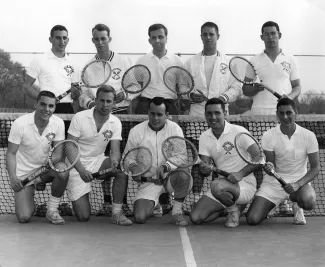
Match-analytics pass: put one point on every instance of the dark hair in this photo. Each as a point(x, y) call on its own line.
point(45, 93)
point(286, 102)
point(210, 25)
point(101, 27)
point(215, 101)
point(159, 101)
point(106, 89)
point(157, 26)
point(58, 28)
point(271, 24)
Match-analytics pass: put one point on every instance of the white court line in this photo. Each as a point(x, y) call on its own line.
point(187, 248)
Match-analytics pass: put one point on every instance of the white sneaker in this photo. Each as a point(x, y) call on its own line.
point(298, 215)
point(232, 220)
point(54, 217)
point(157, 211)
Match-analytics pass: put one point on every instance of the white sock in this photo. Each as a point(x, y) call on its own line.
point(232, 208)
point(116, 208)
point(177, 208)
point(53, 203)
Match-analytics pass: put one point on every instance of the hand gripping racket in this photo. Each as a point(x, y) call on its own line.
point(135, 162)
point(63, 156)
point(243, 71)
point(243, 141)
point(179, 81)
point(93, 75)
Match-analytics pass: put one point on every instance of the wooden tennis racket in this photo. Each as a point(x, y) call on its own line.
point(244, 71)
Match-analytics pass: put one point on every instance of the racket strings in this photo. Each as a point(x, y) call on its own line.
point(179, 152)
point(136, 79)
point(178, 80)
point(137, 161)
point(249, 153)
point(65, 152)
point(240, 68)
point(96, 73)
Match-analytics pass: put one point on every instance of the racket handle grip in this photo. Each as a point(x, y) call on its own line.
point(25, 181)
point(63, 95)
point(102, 172)
point(223, 173)
point(277, 95)
point(279, 178)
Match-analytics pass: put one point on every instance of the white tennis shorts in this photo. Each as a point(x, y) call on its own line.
point(272, 190)
point(151, 191)
point(76, 187)
point(247, 192)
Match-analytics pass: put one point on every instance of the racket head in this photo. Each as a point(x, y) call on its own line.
point(181, 182)
point(243, 141)
point(242, 70)
point(178, 80)
point(96, 73)
point(136, 161)
point(64, 155)
point(136, 79)
point(179, 151)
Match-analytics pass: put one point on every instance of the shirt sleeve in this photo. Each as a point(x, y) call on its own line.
point(60, 133)
point(75, 126)
point(294, 74)
point(34, 69)
point(16, 133)
point(117, 134)
point(312, 143)
point(267, 141)
point(204, 146)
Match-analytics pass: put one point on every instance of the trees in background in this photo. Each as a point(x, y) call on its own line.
point(11, 84)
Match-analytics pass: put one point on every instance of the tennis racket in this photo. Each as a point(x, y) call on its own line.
point(242, 141)
point(135, 162)
point(136, 79)
point(67, 152)
point(93, 75)
point(243, 71)
point(179, 81)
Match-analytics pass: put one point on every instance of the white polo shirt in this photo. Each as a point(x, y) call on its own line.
point(119, 65)
point(54, 74)
point(93, 143)
point(143, 135)
point(157, 67)
point(34, 148)
point(291, 155)
point(223, 151)
point(276, 75)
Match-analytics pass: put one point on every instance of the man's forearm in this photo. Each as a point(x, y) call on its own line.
point(295, 92)
point(11, 164)
point(309, 176)
point(31, 91)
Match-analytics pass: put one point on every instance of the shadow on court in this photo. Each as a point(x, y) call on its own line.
point(158, 243)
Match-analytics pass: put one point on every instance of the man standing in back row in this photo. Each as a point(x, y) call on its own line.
point(276, 70)
point(55, 72)
point(101, 37)
point(157, 62)
point(211, 74)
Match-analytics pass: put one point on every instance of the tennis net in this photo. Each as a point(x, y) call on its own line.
point(100, 197)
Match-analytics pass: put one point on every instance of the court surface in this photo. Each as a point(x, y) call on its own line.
point(277, 242)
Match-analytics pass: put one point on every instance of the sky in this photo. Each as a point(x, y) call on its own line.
point(301, 23)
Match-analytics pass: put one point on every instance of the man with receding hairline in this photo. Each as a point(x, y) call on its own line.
point(101, 38)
